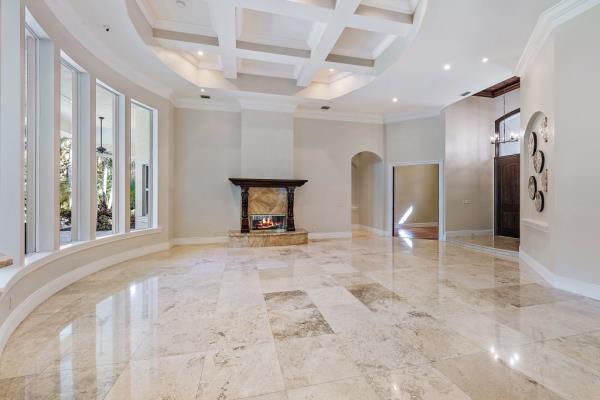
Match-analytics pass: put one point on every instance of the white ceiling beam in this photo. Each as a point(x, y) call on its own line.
point(344, 11)
point(380, 25)
point(288, 8)
point(222, 15)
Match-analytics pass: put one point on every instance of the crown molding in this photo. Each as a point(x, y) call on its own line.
point(263, 102)
point(547, 22)
point(339, 116)
point(207, 104)
point(402, 117)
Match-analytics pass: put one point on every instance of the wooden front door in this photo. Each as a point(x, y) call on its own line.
point(507, 195)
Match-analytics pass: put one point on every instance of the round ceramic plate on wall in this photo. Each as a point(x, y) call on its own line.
point(532, 145)
point(539, 201)
point(538, 161)
point(532, 186)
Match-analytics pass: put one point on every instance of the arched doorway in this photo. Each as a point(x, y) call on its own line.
point(368, 188)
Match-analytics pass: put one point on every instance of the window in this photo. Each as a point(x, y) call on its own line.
point(67, 142)
point(140, 200)
point(106, 127)
point(30, 124)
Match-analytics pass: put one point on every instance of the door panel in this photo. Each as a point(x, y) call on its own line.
point(507, 195)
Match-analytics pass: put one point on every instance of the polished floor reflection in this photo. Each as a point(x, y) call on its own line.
point(366, 318)
point(490, 241)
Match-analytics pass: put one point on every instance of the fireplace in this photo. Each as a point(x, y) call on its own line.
point(265, 222)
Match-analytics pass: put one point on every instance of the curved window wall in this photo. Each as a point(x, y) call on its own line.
point(85, 153)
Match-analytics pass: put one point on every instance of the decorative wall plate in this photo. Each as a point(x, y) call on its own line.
point(544, 131)
point(539, 201)
point(538, 161)
point(545, 180)
point(532, 186)
point(532, 145)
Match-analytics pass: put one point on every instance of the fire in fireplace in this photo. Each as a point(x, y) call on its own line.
point(267, 222)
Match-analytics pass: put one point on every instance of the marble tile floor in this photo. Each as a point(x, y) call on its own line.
point(363, 318)
point(490, 241)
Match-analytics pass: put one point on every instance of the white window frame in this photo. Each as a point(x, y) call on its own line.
point(32, 106)
point(152, 212)
point(75, 179)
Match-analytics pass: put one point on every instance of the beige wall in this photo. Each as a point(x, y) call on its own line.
point(267, 144)
point(416, 186)
point(575, 164)
point(207, 154)
point(469, 165)
point(408, 142)
point(323, 151)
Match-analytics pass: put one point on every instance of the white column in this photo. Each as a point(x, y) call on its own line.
point(122, 164)
point(48, 238)
point(12, 230)
point(87, 158)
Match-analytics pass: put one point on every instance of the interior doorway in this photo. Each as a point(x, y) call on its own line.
point(415, 201)
point(367, 194)
point(507, 166)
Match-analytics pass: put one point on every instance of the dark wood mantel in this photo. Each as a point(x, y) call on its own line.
point(289, 184)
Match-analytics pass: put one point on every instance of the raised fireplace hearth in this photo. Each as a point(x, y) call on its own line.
point(267, 213)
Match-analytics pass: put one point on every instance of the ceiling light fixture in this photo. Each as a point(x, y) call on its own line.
point(447, 67)
point(202, 90)
point(331, 70)
point(395, 99)
point(200, 53)
point(485, 60)
point(180, 3)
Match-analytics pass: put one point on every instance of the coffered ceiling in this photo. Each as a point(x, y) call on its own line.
point(362, 58)
point(307, 41)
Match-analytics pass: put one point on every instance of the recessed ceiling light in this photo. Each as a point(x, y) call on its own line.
point(331, 70)
point(485, 59)
point(200, 53)
point(202, 90)
point(180, 3)
point(395, 99)
point(447, 67)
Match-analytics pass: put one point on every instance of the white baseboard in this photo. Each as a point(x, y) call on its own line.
point(419, 225)
point(19, 313)
point(481, 232)
point(375, 231)
point(329, 235)
point(199, 240)
point(560, 282)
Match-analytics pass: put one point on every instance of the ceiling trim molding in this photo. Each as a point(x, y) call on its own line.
point(207, 104)
point(547, 22)
point(402, 117)
point(339, 116)
point(501, 88)
point(257, 104)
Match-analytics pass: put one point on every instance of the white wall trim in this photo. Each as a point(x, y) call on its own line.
point(420, 225)
point(207, 104)
point(375, 231)
point(543, 227)
point(560, 282)
point(329, 235)
point(480, 232)
point(19, 313)
point(10, 275)
point(339, 116)
point(401, 117)
point(547, 22)
point(199, 240)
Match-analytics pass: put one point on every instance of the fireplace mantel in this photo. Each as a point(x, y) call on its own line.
point(268, 183)
point(289, 184)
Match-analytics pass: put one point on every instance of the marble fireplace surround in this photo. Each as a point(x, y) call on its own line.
point(267, 196)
